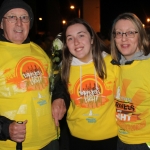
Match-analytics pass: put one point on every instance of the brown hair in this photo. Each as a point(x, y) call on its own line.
point(97, 48)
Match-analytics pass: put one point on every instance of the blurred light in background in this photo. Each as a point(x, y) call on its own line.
point(64, 22)
point(72, 7)
point(40, 19)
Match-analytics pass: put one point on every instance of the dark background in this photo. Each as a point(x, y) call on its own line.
point(110, 9)
point(54, 11)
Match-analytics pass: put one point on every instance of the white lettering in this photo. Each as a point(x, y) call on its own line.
point(123, 117)
point(90, 95)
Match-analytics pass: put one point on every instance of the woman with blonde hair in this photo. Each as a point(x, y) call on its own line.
point(131, 51)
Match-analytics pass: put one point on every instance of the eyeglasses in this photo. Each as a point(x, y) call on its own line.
point(13, 19)
point(129, 34)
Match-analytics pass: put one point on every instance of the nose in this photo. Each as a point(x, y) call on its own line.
point(18, 22)
point(124, 36)
point(76, 41)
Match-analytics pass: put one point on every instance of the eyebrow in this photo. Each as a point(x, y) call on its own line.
point(77, 33)
point(13, 14)
point(126, 30)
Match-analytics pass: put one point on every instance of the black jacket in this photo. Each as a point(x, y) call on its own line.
point(4, 128)
point(60, 91)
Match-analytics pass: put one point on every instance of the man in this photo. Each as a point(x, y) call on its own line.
point(24, 84)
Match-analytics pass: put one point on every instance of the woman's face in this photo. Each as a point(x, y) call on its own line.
point(79, 42)
point(127, 46)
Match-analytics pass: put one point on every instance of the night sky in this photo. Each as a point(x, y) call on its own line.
point(110, 9)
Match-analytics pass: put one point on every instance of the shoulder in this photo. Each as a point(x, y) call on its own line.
point(109, 66)
point(36, 46)
point(106, 56)
point(38, 49)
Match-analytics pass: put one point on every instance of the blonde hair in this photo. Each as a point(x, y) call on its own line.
point(143, 42)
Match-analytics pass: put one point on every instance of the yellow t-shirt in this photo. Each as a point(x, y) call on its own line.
point(133, 102)
point(91, 114)
point(24, 93)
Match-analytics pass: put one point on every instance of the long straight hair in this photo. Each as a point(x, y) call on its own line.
point(97, 48)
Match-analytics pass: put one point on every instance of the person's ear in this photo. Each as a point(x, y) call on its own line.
point(1, 24)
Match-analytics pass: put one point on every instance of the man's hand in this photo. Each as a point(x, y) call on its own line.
point(58, 110)
point(17, 131)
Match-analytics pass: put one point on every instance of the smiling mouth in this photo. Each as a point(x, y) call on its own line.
point(18, 31)
point(125, 46)
point(78, 49)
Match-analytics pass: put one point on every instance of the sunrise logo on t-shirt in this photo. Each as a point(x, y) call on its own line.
point(90, 92)
point(29, 75)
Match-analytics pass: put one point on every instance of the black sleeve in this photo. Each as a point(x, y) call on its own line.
point(4, 128)
point(60, 91)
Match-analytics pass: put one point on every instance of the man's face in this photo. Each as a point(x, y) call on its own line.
point(17, 31)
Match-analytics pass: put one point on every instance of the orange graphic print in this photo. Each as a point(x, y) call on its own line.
point(29, 75)
point(127, 108)
point(90, 92)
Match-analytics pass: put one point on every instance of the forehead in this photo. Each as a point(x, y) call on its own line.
point(75, 28)
point(17, 11)
point(125, 24)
